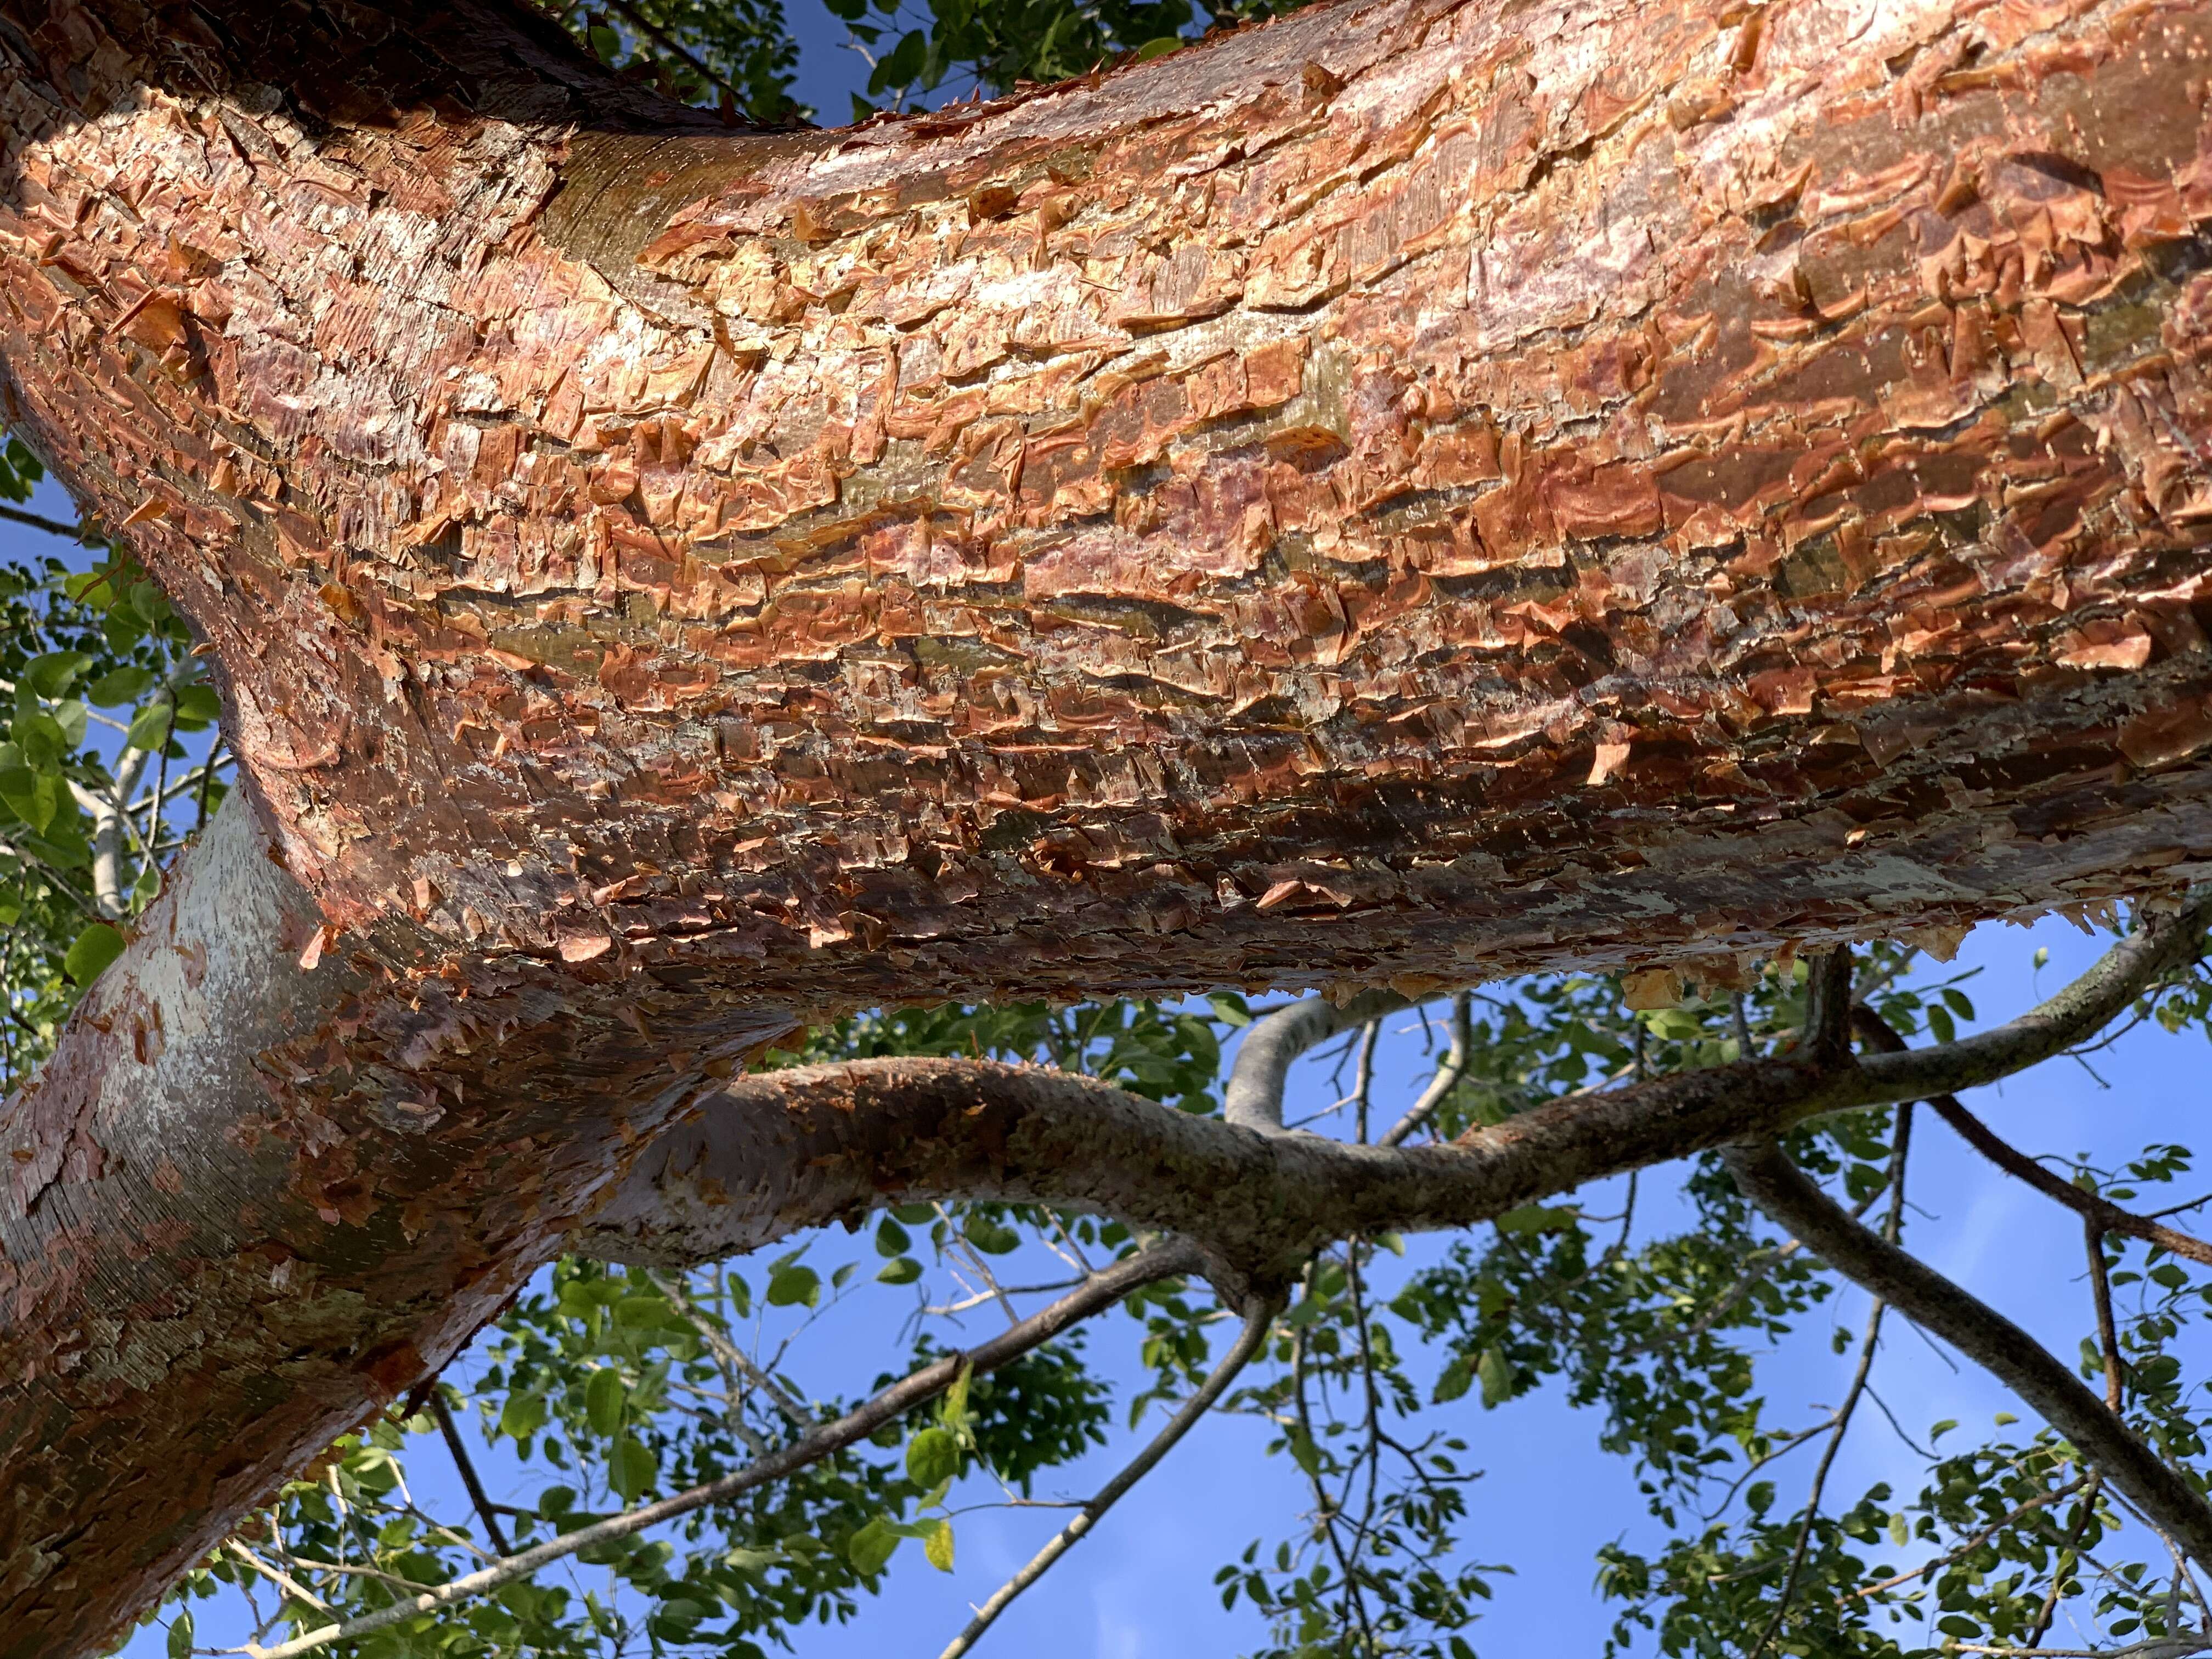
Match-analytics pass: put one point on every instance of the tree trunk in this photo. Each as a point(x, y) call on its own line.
point(1410, 492)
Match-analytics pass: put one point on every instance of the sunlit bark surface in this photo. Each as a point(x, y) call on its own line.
point(1411, 492)
point(1406, 489)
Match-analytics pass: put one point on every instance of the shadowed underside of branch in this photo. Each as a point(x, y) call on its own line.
point(771, 1153)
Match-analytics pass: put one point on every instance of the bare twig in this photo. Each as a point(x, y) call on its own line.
point(731, 1354)
point(1161, 1260)
point(283, 1580)
point(1868, 1346)
point(1449, 1073)
point(76, 532)
point(668, 44)
point(477, 1496)
point(1258, 1316)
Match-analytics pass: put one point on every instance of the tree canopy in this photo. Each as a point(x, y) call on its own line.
point(726, 1499)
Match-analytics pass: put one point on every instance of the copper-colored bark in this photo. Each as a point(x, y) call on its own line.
point(1412, 491)
point(1563, 482)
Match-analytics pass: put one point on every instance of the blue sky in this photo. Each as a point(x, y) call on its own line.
point(1143, 1584)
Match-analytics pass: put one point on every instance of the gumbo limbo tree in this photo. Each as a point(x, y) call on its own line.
point(1685, 504)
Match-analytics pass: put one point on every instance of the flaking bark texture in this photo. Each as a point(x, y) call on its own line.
point(1409, 490)
point(1413, 491)
point(251, 1202)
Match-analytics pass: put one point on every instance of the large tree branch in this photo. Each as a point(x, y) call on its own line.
point(1253, 1097)
point(1777, 1186)
point(1171, 531)
point(782, 1150)
point(265, 1185)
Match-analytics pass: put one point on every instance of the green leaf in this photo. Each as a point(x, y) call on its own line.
point(1159, 48)
point(751, 1561)
point(891, 1239)
point(95, 947)
point(197, 705)
point(904, 63)
point(1495, 1377)
point(34, 796)
point(121, 686)
point(1456, 1379)
point(604, 1399)
point(640, 1313)
point(149, 728)
point(904, 1271)
point(990, 1237)
point(631, 1468)
point(871, 1547)
point(523, 1415)
point(932, 1455)
point(952, 1409)
point(792, 1284)
point(180, 1636)
point(936, 1545)
point(52, 674)
point(41, 739)
point(148, 602)
point(1229, 1008)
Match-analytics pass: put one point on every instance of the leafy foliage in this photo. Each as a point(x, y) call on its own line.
point(108, 722)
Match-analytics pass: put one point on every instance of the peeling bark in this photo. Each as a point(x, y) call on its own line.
point(1563, 484)
point(1600, 482)
point(251, 1202)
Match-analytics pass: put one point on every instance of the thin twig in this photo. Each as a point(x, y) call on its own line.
point(1448, 1074)
point(283, 1580)
point(76, 532)
point(660, 37)
point(1970, 1545)
point(1161, 1261)
point(1258, 1316)
point(727, 1350)
point(468, 1470)
point(1980, 1332)
point(1901, 1149)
